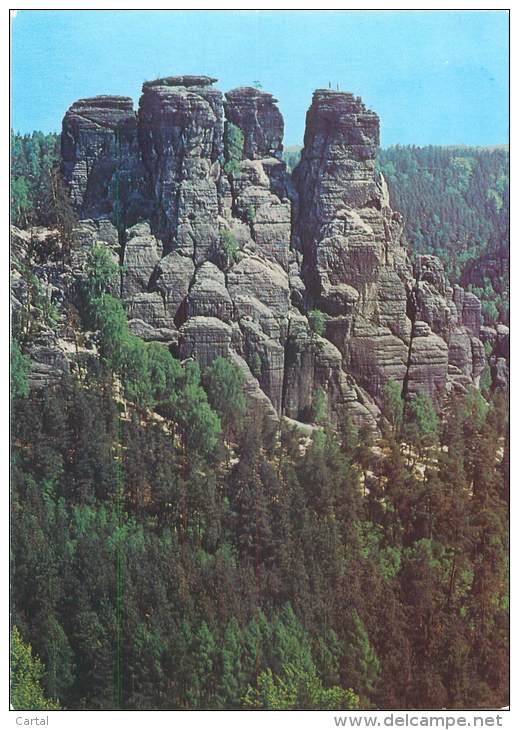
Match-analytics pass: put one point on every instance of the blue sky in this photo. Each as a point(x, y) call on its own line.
point(437, 77)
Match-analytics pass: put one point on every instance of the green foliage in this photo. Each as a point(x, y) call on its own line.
point(199, 424)
point(233, 141)
point(386, 557)
point(255, 365)
point(269, 581)
point(455, 202)
point(422, 421)
point(393, 404)
point(361, 664)
point(38, 194)
point(229, 246)
point(319, 406)
point(59, 658)
point(21, 204)
point(223, 381)
point(296, 689)
point(152, 378)
point(34, 158)
point(102, 271)
point(109, 319)
point(317, 321)
point(26, 677)
point(475, 407)
point(291, 680)
point(165, 372)
point(134, 368)
point(490, 312)
point(232, 674)
point(19, 370)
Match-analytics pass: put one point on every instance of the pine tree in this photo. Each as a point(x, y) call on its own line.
point(26, 676)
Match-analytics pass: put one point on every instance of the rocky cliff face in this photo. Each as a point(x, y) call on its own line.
point(180, 134)
point(101, 159)
point(257, 115)
point(227, 261)
point(389, 321)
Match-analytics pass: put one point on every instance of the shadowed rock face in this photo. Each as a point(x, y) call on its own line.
point(226, 262)
point(256, 114)
point(141, 254)
point(101, 158)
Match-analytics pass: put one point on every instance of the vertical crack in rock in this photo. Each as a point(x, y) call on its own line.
point(411, 311)
point(286, 361)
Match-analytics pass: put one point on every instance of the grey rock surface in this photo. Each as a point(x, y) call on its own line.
point(48, 360)
point(142, 252)
point(149, 307)
point(101, 158)
point(255, 112)
point(172, 277)
point(89, 233)
point(208, 295)
point(204, 339)
point(227, 261)
point(428, 367)
point(180, 132)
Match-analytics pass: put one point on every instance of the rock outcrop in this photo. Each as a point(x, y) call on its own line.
point(256, 114)
point(48, 360)
point(142, 252)
point(227, 260)
point(172, 277)
point(180, 133)
point(101, 159)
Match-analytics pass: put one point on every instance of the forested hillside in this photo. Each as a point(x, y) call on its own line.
point(170, 552)
point(34, 164)
point(259, 452)
point(455, 203)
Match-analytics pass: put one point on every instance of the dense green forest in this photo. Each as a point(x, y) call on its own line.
point(34, 162)
point(173, 550)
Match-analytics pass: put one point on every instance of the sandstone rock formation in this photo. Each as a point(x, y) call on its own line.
point(256, 114)
point(349, 234)
point(101, 158)
point(180, 134)
point(142, 252)
point(222, 260)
